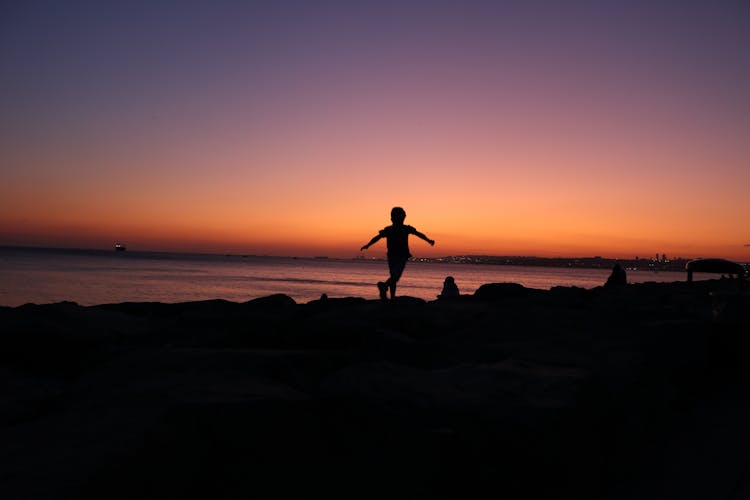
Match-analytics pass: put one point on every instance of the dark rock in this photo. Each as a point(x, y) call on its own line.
point(277, 301)
point(405, 300)
point(336, 302)
point(731, 308)
point(496, 291)
point(566, 393)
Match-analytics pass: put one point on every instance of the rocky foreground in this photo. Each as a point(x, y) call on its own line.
point(639, 391)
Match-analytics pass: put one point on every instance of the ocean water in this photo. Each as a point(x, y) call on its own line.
point(91, 277)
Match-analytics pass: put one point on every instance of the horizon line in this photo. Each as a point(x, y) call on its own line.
point(356, 257)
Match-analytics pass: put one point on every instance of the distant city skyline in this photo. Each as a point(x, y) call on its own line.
point(291, 128)
point(662, 262)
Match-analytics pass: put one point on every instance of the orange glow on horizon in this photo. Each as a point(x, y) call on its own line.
point(512, 202)
point(336, 233)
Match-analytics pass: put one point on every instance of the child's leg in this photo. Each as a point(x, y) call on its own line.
point(396, 266)
point(382, 289)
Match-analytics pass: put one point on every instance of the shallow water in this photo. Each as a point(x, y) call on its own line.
point(91, 277)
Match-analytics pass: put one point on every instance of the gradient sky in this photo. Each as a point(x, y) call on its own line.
point(551, 128)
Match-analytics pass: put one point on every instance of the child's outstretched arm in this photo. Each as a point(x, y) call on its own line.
point(371, 242)
point(420, 235)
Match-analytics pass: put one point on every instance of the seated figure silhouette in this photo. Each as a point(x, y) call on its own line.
point(617, 278)
point(450, 289)
point(397, 237)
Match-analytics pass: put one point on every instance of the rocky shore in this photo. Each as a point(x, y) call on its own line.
point(638, 391)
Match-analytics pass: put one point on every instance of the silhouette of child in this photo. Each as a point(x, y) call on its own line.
point(618, 277)
point(397, 236)
point(449, 288)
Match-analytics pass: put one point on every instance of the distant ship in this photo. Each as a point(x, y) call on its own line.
point(119, 247)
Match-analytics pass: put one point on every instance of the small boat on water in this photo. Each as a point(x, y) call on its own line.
point(119, 247)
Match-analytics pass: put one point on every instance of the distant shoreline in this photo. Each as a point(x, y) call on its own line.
point(597, 262)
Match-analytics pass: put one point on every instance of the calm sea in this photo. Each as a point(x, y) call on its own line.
point(91, 277)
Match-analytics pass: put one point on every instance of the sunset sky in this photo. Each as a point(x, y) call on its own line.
point(550, 128)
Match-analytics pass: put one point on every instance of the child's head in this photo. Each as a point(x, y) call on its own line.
point(398, 215)
point(449, 280)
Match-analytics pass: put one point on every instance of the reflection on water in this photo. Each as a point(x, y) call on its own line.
point(96, 277)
